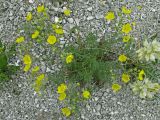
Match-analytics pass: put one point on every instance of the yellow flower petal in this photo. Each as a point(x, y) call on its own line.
point(125, 78)
point(110, 16)
point(20, 39)
point(69, 58)
point(116, 87)
point(141, 75)
point(62, 96)
point(27, 59)
point(126, 38)
point(35, 69)
point(40, 8)
point(62, 88)
point(59, 31)
point(126, 28)
point(66, 112)
point(35, 34)
point(86, 94)
point(38, 82)
point(125, 10)
point(51, 39)
point(27, 67)
point(55, 26)
point(122, 58)
point(67, 12)
point(29, 16)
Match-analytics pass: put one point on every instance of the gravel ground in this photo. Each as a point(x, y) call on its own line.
point(18, 100)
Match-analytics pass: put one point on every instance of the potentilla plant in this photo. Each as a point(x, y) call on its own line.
point(87, 62)
point(40, 33)
point(137, 62)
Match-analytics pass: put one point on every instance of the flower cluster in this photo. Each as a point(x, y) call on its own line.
point(149, 52)
point(27, 61)
point(63, 90)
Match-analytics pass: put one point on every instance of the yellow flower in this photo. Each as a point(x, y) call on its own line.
point(40, 77)
point(59, 31)
point(116, 87)
point(35, 69)
point(51, 39)
point(62, 88)
point(55, 26)
point(40, 8)
point(27, 59)
point(109, 16)
point(38, 82)
point(35, 34)
point(27, 67)
point(20, 39)
point(86, 94)
point(125, 10)
point(122, 58)
point(67, 12)
point(141, 75)
point(126, 38)
point(66, 111)
point(126, 28)
point(125, 78)
point(62, 96)
point(29, 16)
point(69, 58)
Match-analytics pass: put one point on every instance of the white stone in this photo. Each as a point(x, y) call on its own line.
point(96, 98)
point(48, 70)
point(98, 107)
point(90, 17)
point(31, 1)
point(56, 19)
point(70, 20)
point(77, 21)
point(89, 9)
point(98, 16)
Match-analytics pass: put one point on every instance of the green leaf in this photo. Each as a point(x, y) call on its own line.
point(12, 69)
point(1, 45)
point(3, 61)
point(91, 41)
point(12, 51)
point(3, 77)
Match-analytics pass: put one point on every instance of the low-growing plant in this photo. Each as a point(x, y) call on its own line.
point(116, 57)
point(6, 69)
point(92, 62)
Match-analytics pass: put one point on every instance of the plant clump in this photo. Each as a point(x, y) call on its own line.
point(116, 59)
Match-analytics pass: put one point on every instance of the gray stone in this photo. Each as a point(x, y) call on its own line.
point(104, 103)
point(98, 16)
